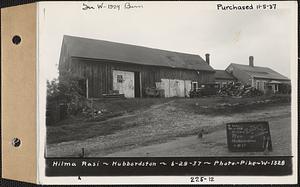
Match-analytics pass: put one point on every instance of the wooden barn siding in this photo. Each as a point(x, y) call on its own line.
point(202, 77)
point(99, 74)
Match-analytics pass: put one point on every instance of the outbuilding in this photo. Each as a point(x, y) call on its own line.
point(262, 78)
point(106, 67)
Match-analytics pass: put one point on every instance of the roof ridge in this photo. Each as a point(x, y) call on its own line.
point(103, 49)
point(250, 66)
point(133, 45)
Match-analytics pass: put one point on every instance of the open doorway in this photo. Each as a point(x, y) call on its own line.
point(137, 84)
point(194, 86)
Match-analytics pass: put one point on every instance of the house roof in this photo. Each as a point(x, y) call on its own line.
point(260, 72)
point(222, 74)
point(99, 49)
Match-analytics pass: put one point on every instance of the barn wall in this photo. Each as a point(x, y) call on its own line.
point(64, 62)
point(99, 74)
point(193, 75)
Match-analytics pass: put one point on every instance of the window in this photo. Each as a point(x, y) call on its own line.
point(276, 87)
point(119, 78)
point(194, 85)
point(257, 85)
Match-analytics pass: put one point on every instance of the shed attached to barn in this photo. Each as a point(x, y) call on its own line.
point(106, 67)
point(222, 78)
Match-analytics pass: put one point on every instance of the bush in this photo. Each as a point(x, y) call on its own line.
point(66, 91)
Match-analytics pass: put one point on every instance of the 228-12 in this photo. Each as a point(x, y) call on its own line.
point(199, 179)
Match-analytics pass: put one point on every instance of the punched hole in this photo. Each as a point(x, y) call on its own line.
point(16, 40)
point(16, 142)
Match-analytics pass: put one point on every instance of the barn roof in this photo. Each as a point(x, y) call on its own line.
point(222, 74)
point(99, 49)
point(260, 72)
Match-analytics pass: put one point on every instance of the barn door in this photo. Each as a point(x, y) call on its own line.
point(165, 85)
point(173, 88)
point(187, 87)
point(176, 88)
point(180, 88)
point(123, 81)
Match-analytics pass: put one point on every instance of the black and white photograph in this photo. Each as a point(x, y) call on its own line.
point(167, 80)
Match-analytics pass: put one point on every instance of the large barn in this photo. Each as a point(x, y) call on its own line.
point(106, 67)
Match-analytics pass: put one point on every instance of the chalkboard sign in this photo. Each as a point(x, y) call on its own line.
point(249, 136)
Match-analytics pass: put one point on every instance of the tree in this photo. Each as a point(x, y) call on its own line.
point(66, 90)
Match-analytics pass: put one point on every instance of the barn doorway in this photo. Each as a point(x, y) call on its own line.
point(127, 83)
point(137, 84)
point(123, 81)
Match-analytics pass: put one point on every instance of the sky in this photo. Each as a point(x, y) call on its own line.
point(189, 27)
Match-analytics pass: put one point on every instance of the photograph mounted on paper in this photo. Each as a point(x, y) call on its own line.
point(162, 86)
point(167, 89)
point(194, 79)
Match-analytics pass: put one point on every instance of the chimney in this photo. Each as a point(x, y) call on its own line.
point(207, 58)
point(251, 59)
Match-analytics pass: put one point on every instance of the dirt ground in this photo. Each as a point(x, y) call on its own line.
point(213, 144)
point(170, 128)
